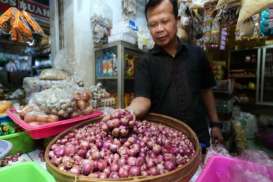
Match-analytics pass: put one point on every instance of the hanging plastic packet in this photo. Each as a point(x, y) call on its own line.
point(101, 22)
point(266, 22)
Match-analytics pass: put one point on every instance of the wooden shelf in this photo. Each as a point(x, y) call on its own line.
point(106, 78)
point(245, 89)
point(243, 76)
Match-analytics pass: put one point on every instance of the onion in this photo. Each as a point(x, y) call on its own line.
point(114, 167)
point(113, 148)
point(110, 124)
point(124, 121)
point(57, 161)
point(82, 153)
point(81, 104)
point(169, 157)
point(75, 170)
point(51, 154)
point(123, 172)
point(144, 173)
point(86, 95)
point(106, 145)
point(104, 127)
point(122, 161)
point(134, 171)
point(114, 175)
point(116, 132)
point(115, 123)
point(132, 161)
point(68, 162)
point(77, 159)
point(116, 157)
point(160, 167)
point(102, 175)
point(139, 161)
point(69, 150)
point(52, 118)
point(86, 167)
point(132, 152)
point(153, 171)
point(123, 151)
point(59, 151)
point(106, 118)
point(132, 123)
point(101, 164)
point(94, 175)
point(131, 140)
point(99, 143)
point(107, 171)
point(149, 162)
point(95, 155)
point(156, 148)
point(169, 165)
point(123, 132)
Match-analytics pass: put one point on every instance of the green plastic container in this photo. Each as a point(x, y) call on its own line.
point(25, 172)
point(21, 142)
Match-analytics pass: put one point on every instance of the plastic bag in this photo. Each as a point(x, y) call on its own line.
point(34, 25)
point(249, 123)
point(257, 156)
point(129, 8)
point(5, 19)
point(101, 22)
point(252, 7)
point(222, 3)
point(53, 74)
point(259, 168)
point(215, 150)
point(266, 22)
point(54, 101)
point(20, 25)
point(246, 29)
point(242, 173)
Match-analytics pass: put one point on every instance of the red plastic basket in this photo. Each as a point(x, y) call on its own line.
point(219, 169)
point(50, 129)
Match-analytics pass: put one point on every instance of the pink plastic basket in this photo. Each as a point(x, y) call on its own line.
point(50, 129)
point(220, 169)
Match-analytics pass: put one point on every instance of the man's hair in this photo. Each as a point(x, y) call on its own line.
point(154, 3)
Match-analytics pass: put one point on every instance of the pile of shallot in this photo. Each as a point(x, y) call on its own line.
point(120, 147)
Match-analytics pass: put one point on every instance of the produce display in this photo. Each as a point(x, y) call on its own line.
point(56, 103)
point(119, 146)
point(35, 84)
point(9, 159)
point(7, 127)
point(4, 106)
point(100, 97)
point(53, 74)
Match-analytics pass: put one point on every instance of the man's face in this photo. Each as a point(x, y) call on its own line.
point(162, 23)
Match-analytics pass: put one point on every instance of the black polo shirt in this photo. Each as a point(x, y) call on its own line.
point(174, 84)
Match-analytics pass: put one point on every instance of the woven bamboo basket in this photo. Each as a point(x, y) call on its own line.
point(181, 174)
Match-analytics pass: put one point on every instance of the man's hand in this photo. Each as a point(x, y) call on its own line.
point(216, 135)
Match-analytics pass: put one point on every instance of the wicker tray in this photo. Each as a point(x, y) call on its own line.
point(180, 174)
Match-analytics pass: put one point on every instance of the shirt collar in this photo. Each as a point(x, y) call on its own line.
point(157, 49)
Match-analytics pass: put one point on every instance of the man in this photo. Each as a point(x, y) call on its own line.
point(174, 78)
